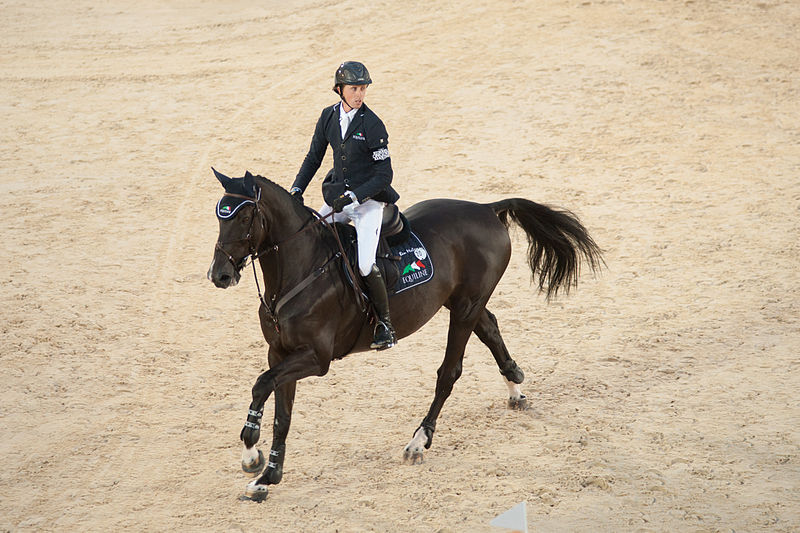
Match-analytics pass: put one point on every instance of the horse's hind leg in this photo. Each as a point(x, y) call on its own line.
point(489, 333)
point(447, 375)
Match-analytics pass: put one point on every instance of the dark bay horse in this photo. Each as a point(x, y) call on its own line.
point(310, 315)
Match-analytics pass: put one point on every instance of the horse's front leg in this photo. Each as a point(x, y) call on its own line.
point(281, 378)
point(252, 459)
point(284, 401)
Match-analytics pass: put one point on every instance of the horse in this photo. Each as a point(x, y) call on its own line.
point(310, 315)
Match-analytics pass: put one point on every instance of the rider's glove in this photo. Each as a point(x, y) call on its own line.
point(342, 201)
point(297, 193)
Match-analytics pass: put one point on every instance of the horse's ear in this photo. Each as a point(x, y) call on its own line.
point(249, 183)
point(223, 179)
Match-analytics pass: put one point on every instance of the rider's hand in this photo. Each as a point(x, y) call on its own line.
point(297, 193)
point(340, 202)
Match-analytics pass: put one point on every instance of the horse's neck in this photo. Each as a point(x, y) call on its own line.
point(293, 249)
point(283, 223)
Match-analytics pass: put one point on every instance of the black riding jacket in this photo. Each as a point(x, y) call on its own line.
point(361, 160)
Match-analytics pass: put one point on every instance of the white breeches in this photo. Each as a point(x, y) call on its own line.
point(367, 219)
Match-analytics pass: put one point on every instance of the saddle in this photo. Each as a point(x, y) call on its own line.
point(394, 226)
point(395, 230)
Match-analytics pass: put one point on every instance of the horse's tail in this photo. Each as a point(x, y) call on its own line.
point(557, 241)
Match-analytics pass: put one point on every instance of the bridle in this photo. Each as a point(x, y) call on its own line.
point(253, 254)
point(275, 303)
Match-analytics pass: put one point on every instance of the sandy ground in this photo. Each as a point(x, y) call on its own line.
point(664, 392)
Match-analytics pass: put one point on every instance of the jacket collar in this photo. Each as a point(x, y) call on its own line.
point(356, 123)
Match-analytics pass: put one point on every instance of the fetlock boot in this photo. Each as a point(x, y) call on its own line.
point(384, 336)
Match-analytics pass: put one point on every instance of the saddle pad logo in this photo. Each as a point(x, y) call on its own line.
point(416, 266)
point(413, 267)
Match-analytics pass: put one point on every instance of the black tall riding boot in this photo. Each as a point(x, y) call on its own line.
point(384, 332)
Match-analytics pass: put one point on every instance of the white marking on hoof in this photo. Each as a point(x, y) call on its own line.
point(249, 455)
point(256, 492)
point(514, 391)
point(516, 400)
point(252, 461)
point(415, 449)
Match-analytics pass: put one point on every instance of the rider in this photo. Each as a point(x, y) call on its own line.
point(359, 185)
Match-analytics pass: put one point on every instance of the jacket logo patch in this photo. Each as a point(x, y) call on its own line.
point(381, 154)
point(359, 137)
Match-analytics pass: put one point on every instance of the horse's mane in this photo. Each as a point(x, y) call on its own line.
point(278, 192)
point(261, 180)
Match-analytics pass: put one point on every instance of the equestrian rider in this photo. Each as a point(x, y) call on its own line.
point(358, 186)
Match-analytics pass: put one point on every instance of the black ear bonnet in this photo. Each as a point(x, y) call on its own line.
point(228, 206)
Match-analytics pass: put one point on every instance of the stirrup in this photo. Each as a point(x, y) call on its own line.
point(383, 337)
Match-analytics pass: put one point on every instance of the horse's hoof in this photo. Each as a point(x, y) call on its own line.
point(255, 492)
point(256, 466)
point(518, 404)
point(413, 457)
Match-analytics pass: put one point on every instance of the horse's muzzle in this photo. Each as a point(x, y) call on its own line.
point(222, 274)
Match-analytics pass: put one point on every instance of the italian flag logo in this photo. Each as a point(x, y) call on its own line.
point(413, 267)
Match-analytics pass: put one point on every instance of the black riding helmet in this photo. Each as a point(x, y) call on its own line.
point(351, 73)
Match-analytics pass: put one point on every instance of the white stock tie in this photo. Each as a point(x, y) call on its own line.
point(344, 123)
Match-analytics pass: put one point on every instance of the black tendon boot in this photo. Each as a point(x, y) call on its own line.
point(384, 332)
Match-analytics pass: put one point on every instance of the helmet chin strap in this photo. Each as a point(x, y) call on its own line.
point(341, 95)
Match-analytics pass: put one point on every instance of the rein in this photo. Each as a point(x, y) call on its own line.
point(273, 307)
